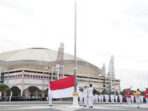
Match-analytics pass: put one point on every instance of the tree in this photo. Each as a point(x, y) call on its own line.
point(4, 88)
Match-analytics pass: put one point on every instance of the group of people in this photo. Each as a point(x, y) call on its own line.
point(87, 98)
point(137, 95)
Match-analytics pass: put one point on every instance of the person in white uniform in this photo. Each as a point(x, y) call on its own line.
point(146, 95)
point(112, 96)
point(116, 98)
point(49, 97)
point(90, 96)
point(138, 98)
point(101, 98)
point(81, 97)
point(107, 98)
point(120, 98)
point(0, 96)
point(96, 98)
point(85, 94)
point(132, 98)
point(142, 99)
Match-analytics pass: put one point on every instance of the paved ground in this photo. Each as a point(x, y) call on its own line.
point(69, 107)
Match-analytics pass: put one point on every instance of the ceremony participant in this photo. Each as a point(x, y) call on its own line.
point(146, 95)
point(120, 98)
point(112, 97)
point(132, 98)
point(0, 96)
point(81, 96)
point(101, 98)
point(10, 96)
point(90, 96)
point(50, 97)
point(128, 96)
point(142, 99)
point(93, 97)
point(137, 95)
point(116, 98)
point(107, 98)
point(96, 98)
point(85, 94)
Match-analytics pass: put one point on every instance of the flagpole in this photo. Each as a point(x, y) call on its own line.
point(75, 93)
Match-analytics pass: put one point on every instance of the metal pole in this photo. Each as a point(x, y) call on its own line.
point(75, 49)
point(75, 93)
point(52, 74)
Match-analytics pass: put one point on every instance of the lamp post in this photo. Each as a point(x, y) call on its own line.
point(75, 93)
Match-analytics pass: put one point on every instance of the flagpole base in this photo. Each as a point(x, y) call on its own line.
point(75, 99)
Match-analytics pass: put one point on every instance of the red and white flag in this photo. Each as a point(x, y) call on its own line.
point(62, 88)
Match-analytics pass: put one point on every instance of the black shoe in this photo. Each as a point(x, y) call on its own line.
point(50, 105)
point(91, 107)
point(84, 106)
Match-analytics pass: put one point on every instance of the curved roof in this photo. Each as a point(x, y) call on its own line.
point(37, 54)
point(44, 57)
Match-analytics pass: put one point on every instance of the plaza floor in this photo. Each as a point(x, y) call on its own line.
point(69, 107)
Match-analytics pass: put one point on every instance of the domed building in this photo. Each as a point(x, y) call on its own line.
point(27, 72)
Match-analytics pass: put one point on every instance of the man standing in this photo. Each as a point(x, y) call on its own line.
point(85, 93)
point(116, 98)
point(0, 96)
point(112, 97)
point(50, 97)
point(132, 98)
point(142, 99)
point(128, 96)
point(138, 98)
point(96, 98)
point(146, 95)
point(10, 96)
point(101, 98)
point(90, 96)
point(81, 96)
point(107, 98)
point(120, 98)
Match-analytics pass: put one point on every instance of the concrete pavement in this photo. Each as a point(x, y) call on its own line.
point(69, 107)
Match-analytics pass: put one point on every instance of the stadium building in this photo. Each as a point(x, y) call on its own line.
point(27, 72)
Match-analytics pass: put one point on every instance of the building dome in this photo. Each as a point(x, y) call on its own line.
point(43, 58)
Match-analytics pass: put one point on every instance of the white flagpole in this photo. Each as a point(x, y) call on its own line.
point(75, 93)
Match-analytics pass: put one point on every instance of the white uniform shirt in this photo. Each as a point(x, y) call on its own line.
point(80, 94)
point(90, 91)
point(107, 97)
point(85, 92)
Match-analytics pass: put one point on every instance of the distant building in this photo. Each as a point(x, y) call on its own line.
point(27, 72)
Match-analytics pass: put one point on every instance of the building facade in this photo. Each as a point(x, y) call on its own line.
point(27, 72)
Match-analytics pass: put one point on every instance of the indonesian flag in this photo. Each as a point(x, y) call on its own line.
point(62, 88)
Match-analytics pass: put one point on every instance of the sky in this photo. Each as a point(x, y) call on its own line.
point(104, 28)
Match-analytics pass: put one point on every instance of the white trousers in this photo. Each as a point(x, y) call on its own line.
point(101, 100)
point(85, 100)
point(96, 100)
point(112, 100)
point(50, 100)
point(81, 100)
point(138, 100)
point(107, 100)
point(121, 100)
point(128, 101)
point(146, 101)
point(90, 100)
